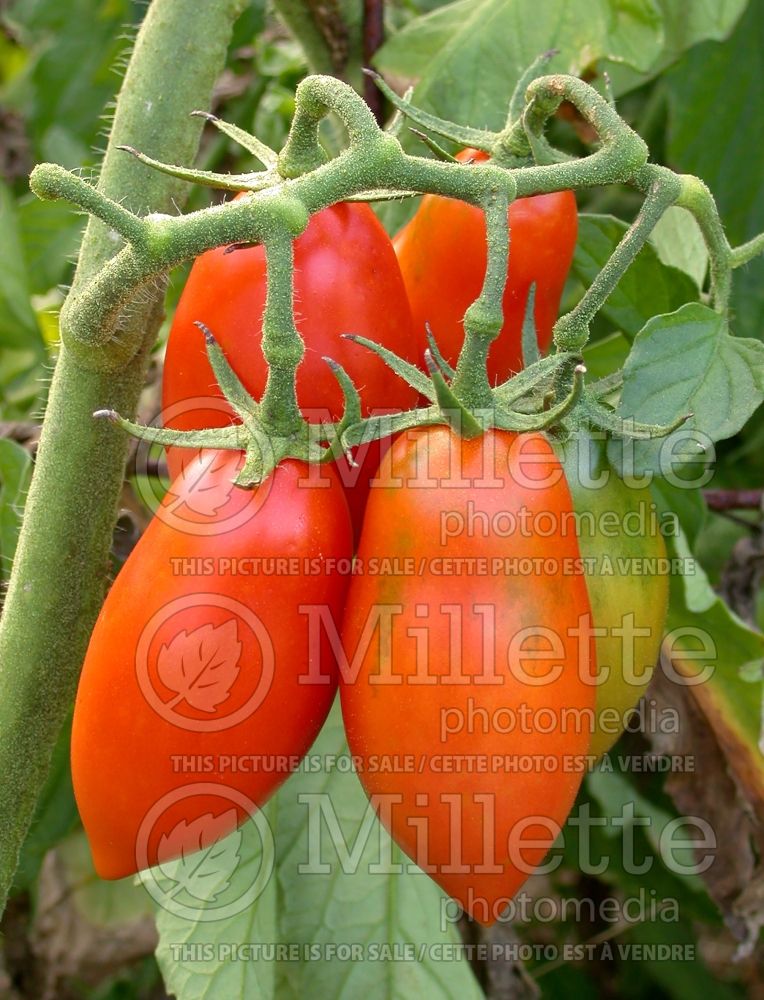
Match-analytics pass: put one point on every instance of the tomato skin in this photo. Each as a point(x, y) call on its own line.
point(618, 539)
point(399, 701)
point(442, 253)
point(346, 280)
point(193, 657)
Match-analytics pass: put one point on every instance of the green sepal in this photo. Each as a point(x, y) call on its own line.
point(448, 370)
point(529, 379)
point(231, 438)
point(403, 369)
point(517, 101)
point(398, 120)
point(236, 395)
point(601, 418)
point(351, 415)
point(512, 420)
point(433, 146)
point(267, 156)
point(388, 424)
point(456, 415)
point(465, 136)
point(223, 182)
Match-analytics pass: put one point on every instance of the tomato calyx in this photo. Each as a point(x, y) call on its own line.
point(265, 445)
point(548, 394)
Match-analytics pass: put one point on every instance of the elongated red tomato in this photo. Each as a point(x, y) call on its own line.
point(467, 688)
point(202, 653)
point(346, 280)
point(442, 253)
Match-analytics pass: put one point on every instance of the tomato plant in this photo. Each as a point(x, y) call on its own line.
point(471, 635)
point(346, 280)
point(442, 253)
point(199, 647)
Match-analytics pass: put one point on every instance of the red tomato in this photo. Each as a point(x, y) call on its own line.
point(467, 690)
point(346, 280)
point(442, 253)
point(202, 652)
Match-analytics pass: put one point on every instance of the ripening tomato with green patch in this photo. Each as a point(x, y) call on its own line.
point(442, 254)
point(468, 651)
point(619, 533)
point(203, 652)
point(346, 280)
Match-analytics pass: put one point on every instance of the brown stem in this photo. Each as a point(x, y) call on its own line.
point(721, 500)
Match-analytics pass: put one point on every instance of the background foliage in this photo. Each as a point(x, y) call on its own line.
point(684, 75)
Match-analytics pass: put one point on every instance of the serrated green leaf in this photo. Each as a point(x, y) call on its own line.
point(360, 907)
point(209, 951)
point(315, 910)
point(687, 362)
point(647, 288)
point(467, 56)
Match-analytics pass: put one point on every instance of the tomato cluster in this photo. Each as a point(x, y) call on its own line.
point(443, 583)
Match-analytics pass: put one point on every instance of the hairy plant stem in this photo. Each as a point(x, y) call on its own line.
point(62, 559)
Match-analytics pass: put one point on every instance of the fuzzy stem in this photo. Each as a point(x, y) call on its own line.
point(62, 559)
point(282, 345)
point(747, 251)
point(572, 330)
point(698, 200)
point(484, 318)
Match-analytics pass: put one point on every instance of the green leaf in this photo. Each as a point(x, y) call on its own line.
point(648, 287)
point(732, 704)
point(687, 504)
point(15, 473)
point(321, 819)
point(468, 55)
point(687, 362)
point(18, 324)
point(679, 243)
point(717, 143)
point(619, 799)
point(359, 906)
point(201, 921)
point(684, 26)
